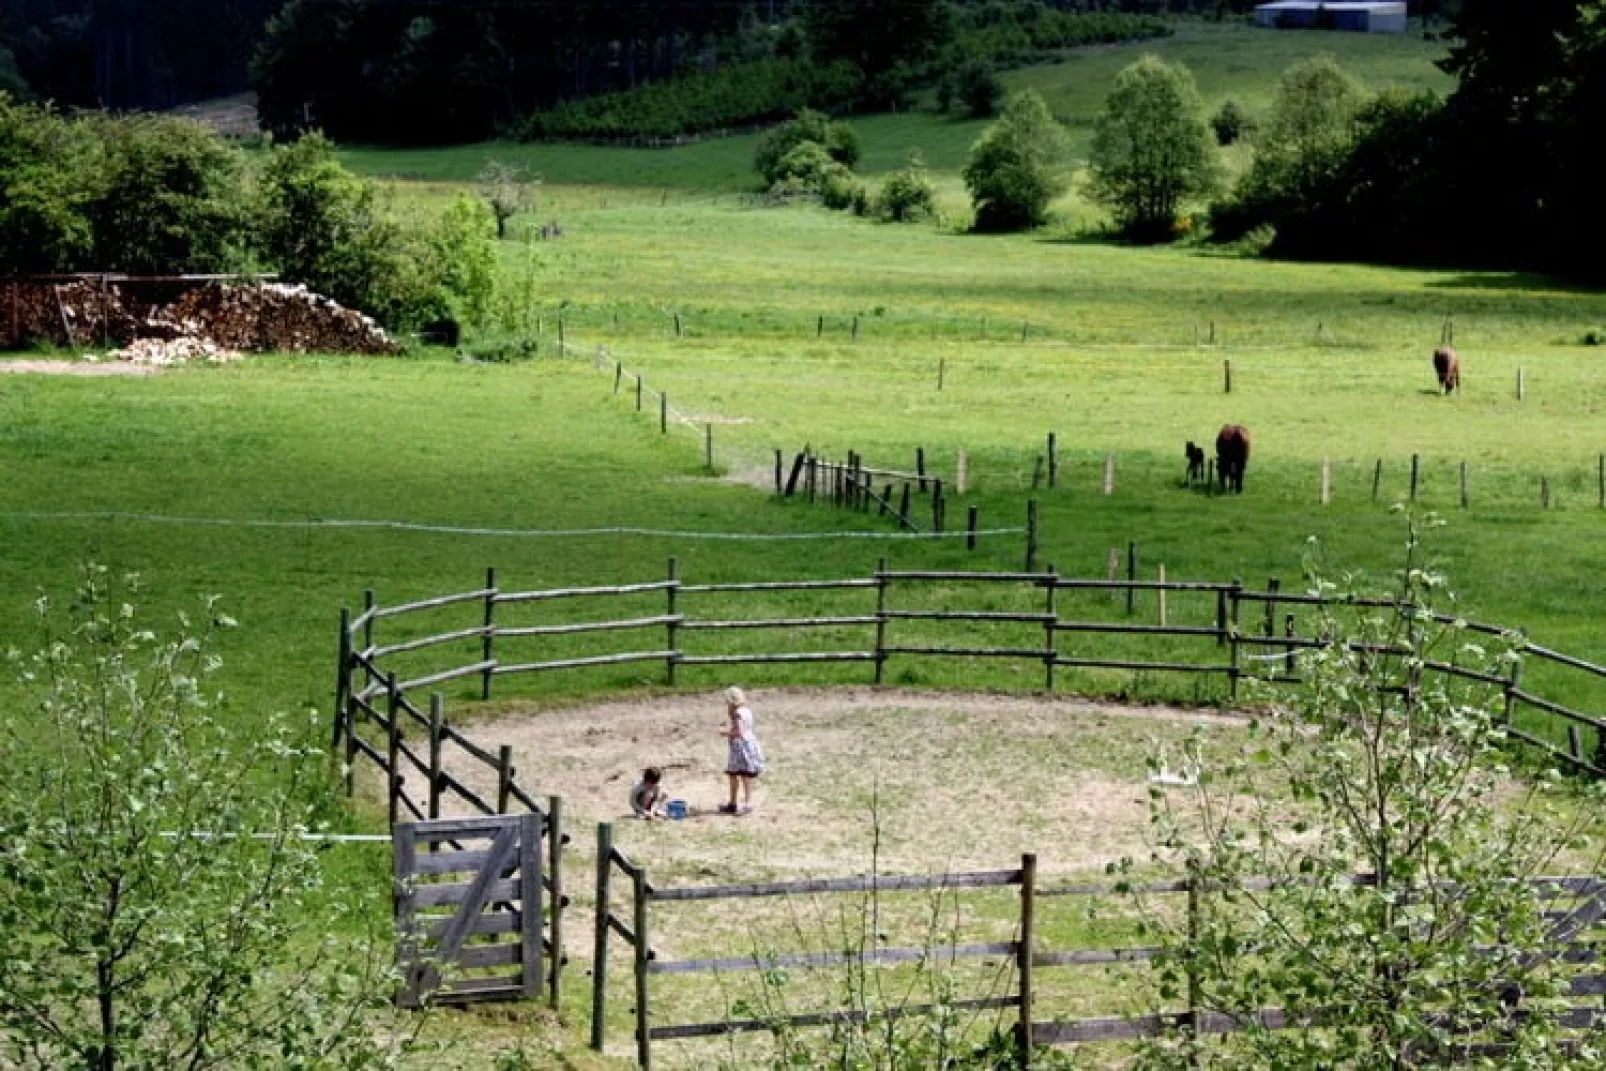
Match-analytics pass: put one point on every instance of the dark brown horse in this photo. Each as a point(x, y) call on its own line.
point(1447, 366)
point(1232, 456)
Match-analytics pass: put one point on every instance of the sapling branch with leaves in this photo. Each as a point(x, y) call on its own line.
point(1365, 863)
point(154, 882)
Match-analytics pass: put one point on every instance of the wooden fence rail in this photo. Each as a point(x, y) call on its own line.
point(1239, 648)
point(1195, 1021)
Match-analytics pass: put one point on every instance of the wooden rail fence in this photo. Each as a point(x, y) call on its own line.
point(1571, 925)
point(366, 695)
point(1219, 643)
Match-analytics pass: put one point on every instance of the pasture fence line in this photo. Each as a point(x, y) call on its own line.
point(1054, 621)
point(850, 482)
point(1585, 900)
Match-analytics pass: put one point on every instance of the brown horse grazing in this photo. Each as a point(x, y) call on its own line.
point(1232, 456)
point(1196, 462)
point(1447, 366)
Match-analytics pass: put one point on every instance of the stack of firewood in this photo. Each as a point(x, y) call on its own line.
point(235, 317)
point(270, 318)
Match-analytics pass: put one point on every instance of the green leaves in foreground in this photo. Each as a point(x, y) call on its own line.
point(1383, 767)
point(152, 866)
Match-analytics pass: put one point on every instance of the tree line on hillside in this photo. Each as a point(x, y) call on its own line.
point(156, 195)
point(1502, 173)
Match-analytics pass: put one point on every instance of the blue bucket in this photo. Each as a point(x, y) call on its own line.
point(677, 809)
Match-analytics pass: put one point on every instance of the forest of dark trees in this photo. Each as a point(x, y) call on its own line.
point(502, 58)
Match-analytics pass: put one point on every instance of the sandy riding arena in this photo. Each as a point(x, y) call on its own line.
point(955, 781)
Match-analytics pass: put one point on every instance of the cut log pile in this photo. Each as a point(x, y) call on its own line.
point(117, 311)
point(162, 353)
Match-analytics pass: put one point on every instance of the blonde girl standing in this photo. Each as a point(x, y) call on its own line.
point(746, 758)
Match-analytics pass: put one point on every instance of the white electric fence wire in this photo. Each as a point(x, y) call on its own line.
point(514, 533)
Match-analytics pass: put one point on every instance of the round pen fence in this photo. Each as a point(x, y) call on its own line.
point(1037, 631)
point(1004, 630)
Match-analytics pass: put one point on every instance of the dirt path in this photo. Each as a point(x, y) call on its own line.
point(76, 368)
point(954, 781)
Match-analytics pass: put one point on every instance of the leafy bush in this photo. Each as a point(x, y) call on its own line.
point(170, 198)
point(740, 94)
point(1016, 169)
point(47, 167)
point(1232, 123)
point(1595, 336)
point(908, 196)
point(837, 140)
point(1151, 150)
point(154, 868)
point(462, 243)
point(1014, 33)
point(842, 191)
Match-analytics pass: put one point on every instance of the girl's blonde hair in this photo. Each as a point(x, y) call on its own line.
point(735, 696)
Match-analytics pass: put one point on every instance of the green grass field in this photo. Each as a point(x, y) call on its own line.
point(1123, 354)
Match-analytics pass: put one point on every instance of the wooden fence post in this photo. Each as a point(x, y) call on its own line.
point(369, 603)
point(1025, 326)
point(962, 473)
point(670, 626)
point(1131, 576)
point(1522, 385)
point(560, 335)
point(1416, 464)
point(1273, 585)
point(342, 677)
point(1037, 472)
point(1290, 663)
point(903, 504)
point(1053, 461)
point(1031, 535)
point(1327, 481)
point(618, 375)
point(638, 393)
point(643, 1039)
point(663, 412)
point(920, 466)
point(351, 745)
point(778, 467)
point(881, 617)
point(1464, 498)
point(487, 641)
point(1601, 478)
point(599, 948)
point(855, 328)
point(679, 328)
point(1377, 478)
point(1195, 986)
point(819, 326)
point(936, 505)
point(1024, 954)
point(1160, 595)
point(1233, 598)
point(554, 866)
point(1221, 617)
point(1109, 474)
point(1050, 648)
point(1544, 492)
point(504, 777)
point(393, 779)
point(708, 447)
point(970, 529)
point(1513, 683)
point(437, 720)
point(1226, 373)
point(942, 369)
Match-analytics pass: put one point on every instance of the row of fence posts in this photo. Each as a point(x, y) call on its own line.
point(636, 933)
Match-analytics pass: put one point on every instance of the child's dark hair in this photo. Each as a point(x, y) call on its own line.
point(652, 775)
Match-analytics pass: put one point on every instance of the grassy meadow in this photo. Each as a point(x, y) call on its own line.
point(223, 479)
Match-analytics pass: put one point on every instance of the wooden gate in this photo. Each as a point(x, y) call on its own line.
point(465, 911)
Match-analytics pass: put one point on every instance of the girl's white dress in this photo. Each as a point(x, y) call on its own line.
point(746, 756)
